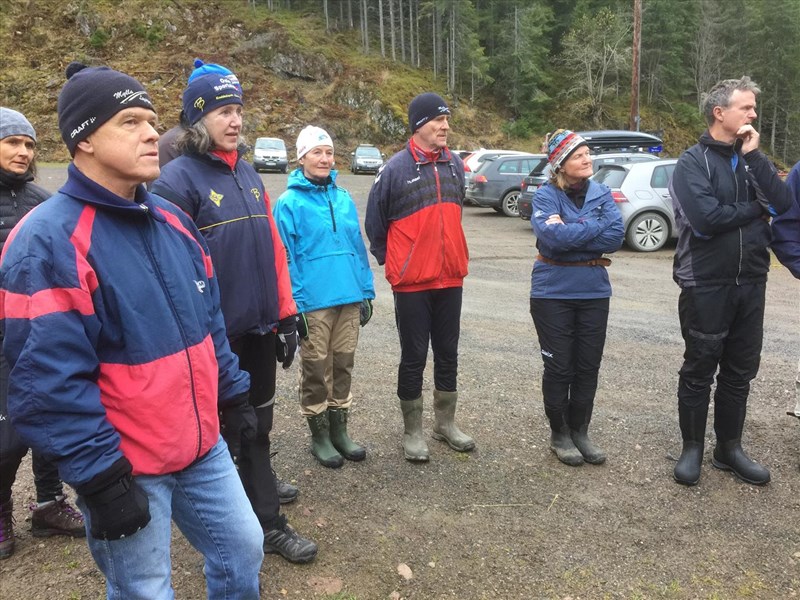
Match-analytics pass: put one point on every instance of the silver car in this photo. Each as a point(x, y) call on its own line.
point(641, 191)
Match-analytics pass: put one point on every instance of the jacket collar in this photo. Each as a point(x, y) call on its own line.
point(723, 148)
point(80, 187)
point(422, 157)
point(299, 181)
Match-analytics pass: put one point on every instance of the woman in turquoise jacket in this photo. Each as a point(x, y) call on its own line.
point(333, 288)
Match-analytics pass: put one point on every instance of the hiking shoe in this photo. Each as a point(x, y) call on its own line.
point(287, 492)
point(288, 543)
point(57, 518)
point(6, 530)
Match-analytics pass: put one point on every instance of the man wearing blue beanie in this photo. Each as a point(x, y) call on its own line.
point(414, 227)
point(120, 366)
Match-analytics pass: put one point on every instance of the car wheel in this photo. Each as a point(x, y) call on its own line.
point(509, 204)
point(285, 169)
point(647, 232)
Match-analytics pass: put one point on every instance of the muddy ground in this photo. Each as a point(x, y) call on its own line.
point(509, 521)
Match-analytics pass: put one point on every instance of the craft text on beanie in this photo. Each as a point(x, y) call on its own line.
point(208, 91)
point(560, 145)
point(91, 96)
point(311, 137)
point(424, 108)
point(14, 123)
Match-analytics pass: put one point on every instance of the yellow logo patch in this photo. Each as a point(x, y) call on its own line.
point(215, 197)
point(256, 194)
point(199, 103)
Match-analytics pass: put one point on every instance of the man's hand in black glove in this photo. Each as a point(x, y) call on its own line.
point(239, 423)
point(302, 325)
point(117, 505)
point(365, 311)
point(286, 341)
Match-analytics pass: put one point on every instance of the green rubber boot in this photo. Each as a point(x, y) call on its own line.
point(414, 446)
point(321, 446)
point(444, 428)
point(339, 437)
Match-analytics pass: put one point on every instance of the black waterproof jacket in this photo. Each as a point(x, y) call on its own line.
point(17, 196)
point(722, 205)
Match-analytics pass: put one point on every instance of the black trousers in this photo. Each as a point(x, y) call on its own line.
point(722, 327)
point(13, 450)
point(429, 316)
point(257, 356)
point(572, 335)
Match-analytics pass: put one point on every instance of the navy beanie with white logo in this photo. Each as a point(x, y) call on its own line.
point(424, 108)
point(210, 91)
point(91, 96)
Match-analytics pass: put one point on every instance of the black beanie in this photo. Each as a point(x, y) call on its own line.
point(425, 107)
point(91, 96)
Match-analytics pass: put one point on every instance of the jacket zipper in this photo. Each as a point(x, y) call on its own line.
point(330, 207)
point(182, 333)
point(441, 217)
point(741, 244)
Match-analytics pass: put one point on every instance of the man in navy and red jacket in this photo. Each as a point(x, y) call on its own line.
point(414, 227)
point(119, 358)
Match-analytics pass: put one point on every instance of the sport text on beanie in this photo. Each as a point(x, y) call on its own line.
point(91, 96)
point(311, 137)
point(560, 145)
point(14, 123)
point(424, 108)
point(209, 91)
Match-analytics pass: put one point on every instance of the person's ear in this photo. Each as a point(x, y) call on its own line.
point(717, 112)
point(85, 145)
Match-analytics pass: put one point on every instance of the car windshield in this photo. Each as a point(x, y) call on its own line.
point(368, 152)
point(612, 176)
point(269, 144)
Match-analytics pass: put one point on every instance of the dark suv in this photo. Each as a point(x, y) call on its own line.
point(366, 159)
point(496, 184)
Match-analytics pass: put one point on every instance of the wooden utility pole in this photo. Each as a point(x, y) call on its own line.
point(637, 46)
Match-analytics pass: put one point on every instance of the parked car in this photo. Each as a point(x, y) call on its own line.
point(537, 177)
point(269, 154)
point(641, 191)
point(366, 158)
point(615, 140)
point(497, 182)
point(473, 161)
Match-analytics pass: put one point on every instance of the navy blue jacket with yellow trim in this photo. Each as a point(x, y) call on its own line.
point(231, 209)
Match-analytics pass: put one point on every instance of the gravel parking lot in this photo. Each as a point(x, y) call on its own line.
point(508, 521)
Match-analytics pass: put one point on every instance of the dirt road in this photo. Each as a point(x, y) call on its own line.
point(509, 521)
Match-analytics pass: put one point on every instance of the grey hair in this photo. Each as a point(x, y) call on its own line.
point(720, 94)
point(195, 139)
point(558, 179)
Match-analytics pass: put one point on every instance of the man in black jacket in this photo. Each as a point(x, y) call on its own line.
point(724, 192)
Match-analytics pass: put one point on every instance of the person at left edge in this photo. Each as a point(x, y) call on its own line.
point(225, 197)
point(119, 360)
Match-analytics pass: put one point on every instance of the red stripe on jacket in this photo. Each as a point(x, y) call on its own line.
point(136, 397)
point(176, 223)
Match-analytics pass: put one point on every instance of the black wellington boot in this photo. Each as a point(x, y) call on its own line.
point(728, 454)
point(693, 431)
point(579, 418)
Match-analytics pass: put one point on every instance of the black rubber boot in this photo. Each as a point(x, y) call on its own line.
point(561, 443)
point(6, 529)
point(693, 431)
point(339, 437)
point(728, 454)
point(321, 446)
point(579, 418)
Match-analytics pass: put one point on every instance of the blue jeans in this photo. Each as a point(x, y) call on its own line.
point(208, 504)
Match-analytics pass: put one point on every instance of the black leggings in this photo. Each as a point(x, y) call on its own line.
point(429, 316)
point(257, 356)
point(572, 335)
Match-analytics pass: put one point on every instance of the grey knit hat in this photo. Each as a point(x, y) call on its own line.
point(14, 123)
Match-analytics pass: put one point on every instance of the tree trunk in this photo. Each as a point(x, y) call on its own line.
point(392, 35)
point(380, 27)
point(402, 31)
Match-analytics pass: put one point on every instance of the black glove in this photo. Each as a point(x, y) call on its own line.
point(365, 311)
point(302, 325)
point(117, 505)
point(239, 424)
point(286, 341)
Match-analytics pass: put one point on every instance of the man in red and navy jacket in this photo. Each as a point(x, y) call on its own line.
point(414, 227)
point(119, 358)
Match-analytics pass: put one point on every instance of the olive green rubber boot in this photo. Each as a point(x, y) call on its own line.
point(339, 437)
point(444, 428)
point(414, 447)
point(321, 446)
